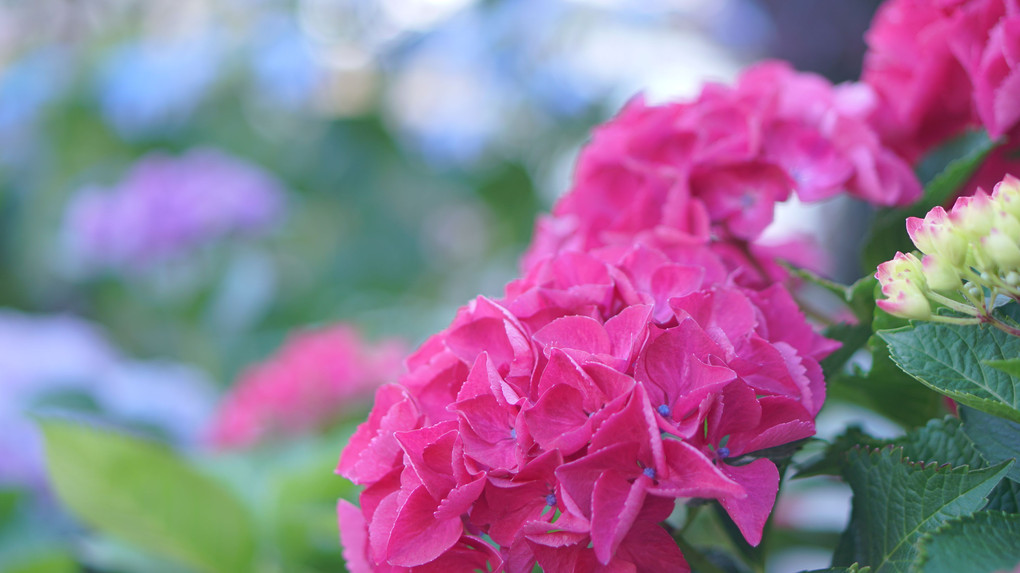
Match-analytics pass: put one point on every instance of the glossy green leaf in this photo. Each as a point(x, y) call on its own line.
point(997, 439)
point(144, 494)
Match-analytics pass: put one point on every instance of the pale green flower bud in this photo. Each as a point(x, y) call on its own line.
point(939, 274)
point(1002, 250)
point(1007, 196)
point(972, 216)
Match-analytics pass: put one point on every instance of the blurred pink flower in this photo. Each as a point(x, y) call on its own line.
point(943, 67)
point(317, 377)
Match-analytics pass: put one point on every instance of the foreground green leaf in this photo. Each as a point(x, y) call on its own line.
point(896, 502)
point(984, 542)
point(996, 439)
point(953, 360)
point(851, 569)
point(942, 441)
point(144, 494)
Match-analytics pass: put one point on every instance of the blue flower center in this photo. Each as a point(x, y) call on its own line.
point(724, 452)
point(550, 500)
point(664, 410)
point(513, 433)
point(650, 472)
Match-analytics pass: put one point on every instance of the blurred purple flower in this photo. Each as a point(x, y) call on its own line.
point(49, 357)
point(166, 206)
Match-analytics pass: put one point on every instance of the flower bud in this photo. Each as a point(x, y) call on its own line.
point(936, 234)
point(972, 216)
point(1006, 196)
point(939, 274)
point(906, 301)
point(1002, 250)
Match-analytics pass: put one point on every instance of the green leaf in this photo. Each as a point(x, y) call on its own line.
point(851, 569)
point(1005, 497)
point(144, 494)
point(832, 461)
point(952, 360)
point(896, 502)
point(886, 389)
point(889, 233)
point(942, 441)
point(1011, 367)
point(984, 542)
point(996, 439)
point(51, 562)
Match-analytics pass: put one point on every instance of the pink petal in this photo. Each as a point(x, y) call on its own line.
point(760, 479)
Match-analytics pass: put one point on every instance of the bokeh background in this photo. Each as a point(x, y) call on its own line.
point(185, 183)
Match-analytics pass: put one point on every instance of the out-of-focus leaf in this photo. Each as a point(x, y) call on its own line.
point(886, 389)
point(51, 562)
point(143, 493)
point(889, 232)
point(1011, 367)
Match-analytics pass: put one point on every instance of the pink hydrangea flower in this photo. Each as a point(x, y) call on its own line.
point(317, 376)
point(649, 344)
point(712, 169)
point(560, 418)
point(941, 67)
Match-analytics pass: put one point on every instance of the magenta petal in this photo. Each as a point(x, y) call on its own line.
point(615, 506)
point(627, 330)
point(690, 474)
point(468, 554)
point(460, 499)
point(417, 536)
point(760, 479)
point(353, 537)
point(558, 420)
point(579, 332)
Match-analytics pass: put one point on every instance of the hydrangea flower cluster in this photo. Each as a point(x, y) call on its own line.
point(712, 170)
point(316, 377)
point(644, 357)
point(943, 66)
point(971, 255)
point(166, 206)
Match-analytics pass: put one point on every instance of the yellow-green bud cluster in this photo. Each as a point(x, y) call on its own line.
point(971, 255)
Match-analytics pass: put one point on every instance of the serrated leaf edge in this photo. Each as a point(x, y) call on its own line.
point(923, 556)
point(934, 467)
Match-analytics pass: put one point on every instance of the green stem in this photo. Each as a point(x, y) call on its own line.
point(955, 305)
point(961, 320)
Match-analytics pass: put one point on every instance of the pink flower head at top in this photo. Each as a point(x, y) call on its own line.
point(713, 169)
point(317, 377)
point(941, 67)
